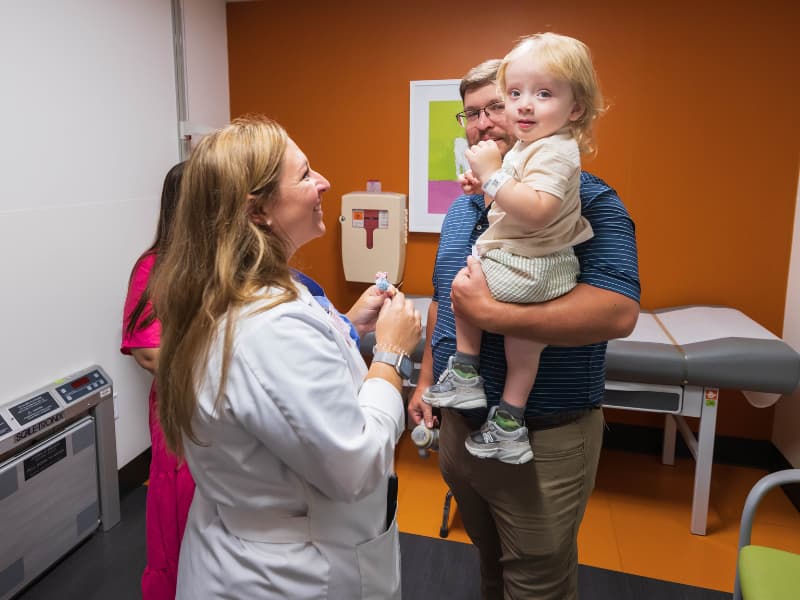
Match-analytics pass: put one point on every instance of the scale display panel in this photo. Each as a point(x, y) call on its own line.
point(73, 390)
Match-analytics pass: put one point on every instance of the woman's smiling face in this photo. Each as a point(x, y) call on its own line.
point(296, 214)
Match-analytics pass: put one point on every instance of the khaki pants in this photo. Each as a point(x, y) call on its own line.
point(524, 519)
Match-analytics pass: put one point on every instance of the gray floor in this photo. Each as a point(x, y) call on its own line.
point(440, 570)
point(108, 566)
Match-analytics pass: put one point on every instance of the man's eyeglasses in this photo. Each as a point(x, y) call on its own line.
point(492, 111)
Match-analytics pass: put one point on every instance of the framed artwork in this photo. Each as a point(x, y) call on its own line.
point(436, 152)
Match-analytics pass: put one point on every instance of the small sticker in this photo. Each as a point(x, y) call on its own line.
point(105, 392)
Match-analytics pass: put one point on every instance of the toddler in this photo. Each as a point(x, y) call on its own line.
point(551, 100)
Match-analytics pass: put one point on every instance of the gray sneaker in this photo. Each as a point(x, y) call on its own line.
point(492, 441)
point(454, 391)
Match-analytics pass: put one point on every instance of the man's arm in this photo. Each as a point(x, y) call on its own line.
point(417, 408)
point(585, 315)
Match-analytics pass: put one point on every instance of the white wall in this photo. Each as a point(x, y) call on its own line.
point(89, 130)
point(206, 58)
point(786, 425)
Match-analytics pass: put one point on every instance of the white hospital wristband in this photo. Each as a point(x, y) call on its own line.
point(497, 180)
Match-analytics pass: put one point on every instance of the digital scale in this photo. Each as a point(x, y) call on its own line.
point(58, 473)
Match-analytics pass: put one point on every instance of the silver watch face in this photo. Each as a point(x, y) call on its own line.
point(405, 368)
point(401, 363)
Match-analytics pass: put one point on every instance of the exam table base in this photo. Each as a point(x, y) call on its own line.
point(687, 401)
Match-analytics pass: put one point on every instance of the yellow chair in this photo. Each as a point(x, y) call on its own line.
point(765, 573)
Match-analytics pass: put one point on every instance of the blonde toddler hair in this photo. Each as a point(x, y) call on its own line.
point(570, 60)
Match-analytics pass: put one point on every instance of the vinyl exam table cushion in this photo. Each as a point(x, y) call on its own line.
point(704, 346)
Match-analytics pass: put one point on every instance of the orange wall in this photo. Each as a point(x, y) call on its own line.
point(701, 139)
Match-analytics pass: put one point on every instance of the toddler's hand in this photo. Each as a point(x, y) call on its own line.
point(484, 158)
point(469, 183)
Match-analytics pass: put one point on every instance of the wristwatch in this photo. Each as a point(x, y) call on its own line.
point(401, 362)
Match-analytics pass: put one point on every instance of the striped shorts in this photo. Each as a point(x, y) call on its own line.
point(524, 280)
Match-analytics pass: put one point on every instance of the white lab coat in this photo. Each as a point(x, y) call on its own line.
point(292, 482)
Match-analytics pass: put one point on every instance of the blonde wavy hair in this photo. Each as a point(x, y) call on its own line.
point(216, 261)
point(570, 60)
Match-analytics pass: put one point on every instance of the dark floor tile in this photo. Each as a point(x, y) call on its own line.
point(109, 566)
point(602, 584)
point(436, 569)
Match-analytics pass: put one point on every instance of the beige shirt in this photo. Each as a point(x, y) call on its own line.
point(552, 165)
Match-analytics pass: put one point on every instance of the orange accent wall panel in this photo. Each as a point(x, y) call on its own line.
point(701, 139)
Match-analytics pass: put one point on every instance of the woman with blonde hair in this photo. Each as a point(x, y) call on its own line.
point(263, 391)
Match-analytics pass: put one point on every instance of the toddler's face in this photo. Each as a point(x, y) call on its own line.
point(538, 104)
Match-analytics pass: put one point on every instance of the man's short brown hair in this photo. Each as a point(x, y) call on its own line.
point(477, 77)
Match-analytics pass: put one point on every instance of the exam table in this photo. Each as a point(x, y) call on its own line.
point(675, 362)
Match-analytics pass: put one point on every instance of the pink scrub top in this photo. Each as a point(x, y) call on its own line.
point(171, 487)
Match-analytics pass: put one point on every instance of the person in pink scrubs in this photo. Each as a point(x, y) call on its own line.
point(171, 487)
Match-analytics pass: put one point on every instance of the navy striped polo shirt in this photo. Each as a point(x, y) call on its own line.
point(569, 378)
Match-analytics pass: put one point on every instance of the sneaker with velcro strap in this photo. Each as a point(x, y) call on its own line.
point(492, 441)
point(454, 391)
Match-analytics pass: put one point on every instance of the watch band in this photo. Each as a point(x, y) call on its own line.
point(497, 180)
point(401, 362)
